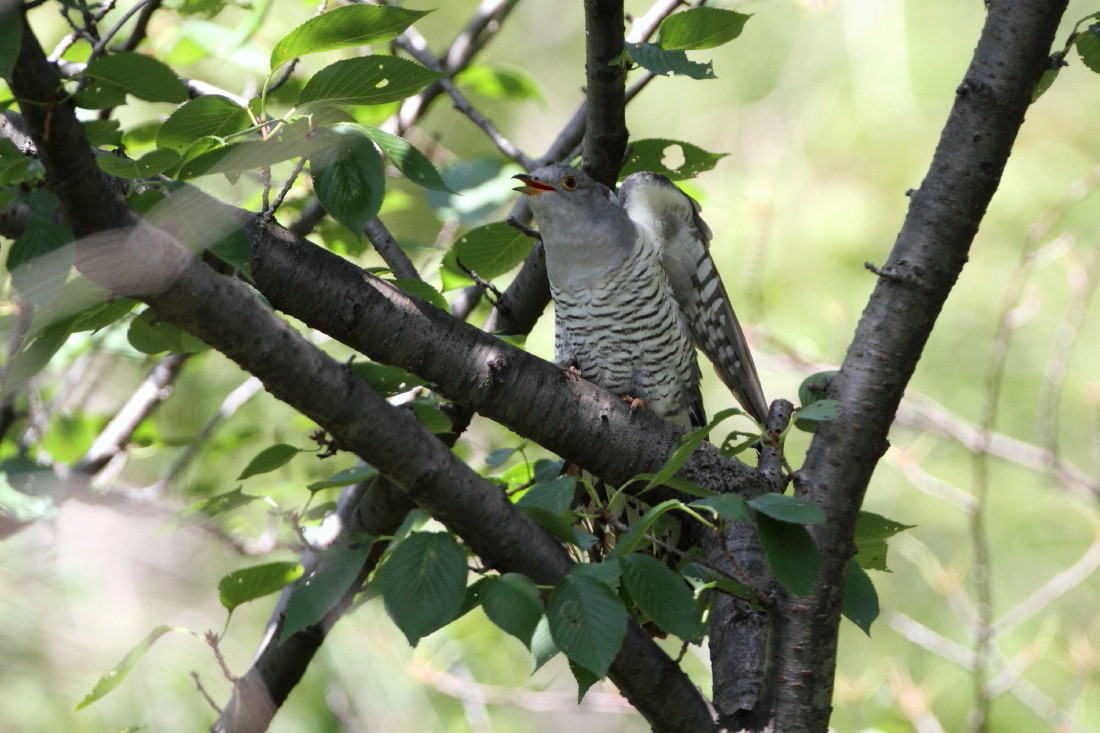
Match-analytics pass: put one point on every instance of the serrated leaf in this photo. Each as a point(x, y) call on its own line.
point(492, 250)
point(860, 604)
point(317, 593)
point(346, 477)
point(788, 509)
point(406, 158)
point(431, 416)
point(140, 75)
point(111, 679)
point(348, 177)
point(662, 595)
point(634, 538)
point(269, 459)
point(872, 531)
point(423, 583)
point(792, 555)
point(726, 506)
point(248, 584)
point(815, 387)
point(512, 602)
point(584, 679)
point(654, 58)
point(555, 496)
point(499, 81)
point(587, 621)
point(422, 290)
point(1088, 46)
point(700, 28)
point(340, 27)
point(650, 155)
point(148, 165)
point(366, 80)
point(209, 115)
point(543, 648)
point(809, 417)
point(609, 572)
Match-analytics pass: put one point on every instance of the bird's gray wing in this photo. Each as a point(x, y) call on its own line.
point(653, 201)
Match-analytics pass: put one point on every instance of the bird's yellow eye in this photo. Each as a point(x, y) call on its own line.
point(569, 182)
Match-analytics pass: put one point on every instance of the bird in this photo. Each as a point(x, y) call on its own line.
point(635, 291)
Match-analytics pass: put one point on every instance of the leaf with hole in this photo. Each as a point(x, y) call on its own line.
point(659, 154)
point(366, 80)
point(137, 74)
point(652, 57)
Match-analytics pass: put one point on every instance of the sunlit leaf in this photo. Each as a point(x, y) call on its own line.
point(209, 115)
point(1088, 46)
point(248, 584)
point(422, 290)
point(140, 75)
point(148, 165)
point(815, 387)
point(346, 477)
point(406, 158)
point(348, 176)
point(269, 459)
point(340, 27)
point(654, 58)
point(700, 28)
point(117, 674)
point(872, 531)
point(498, 81)
point(676, 159)
point(809, 417)
point(366, 80)
point(493, 249)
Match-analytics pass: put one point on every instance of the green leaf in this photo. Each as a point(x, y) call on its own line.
point(872, 531)
point(251, 155)
point(348, 25)
point(559, 527)
point(499, 81)
point(117, 674)
point(34, 355)
point(248, 584)
point(543, 648)
point(809, 417)
point(587, 621)
point(101, 133)
point(407, 159)
point(366, 80)
point(1045, 82)
point(203, 223)
point(317, 593)
point(14, 166)
point(428, 413)
point(209, 115)
point(423, 583)
point(490, 250)
point(40, 260)
point(815, 387)
point(663, 596)
point(496, 458)
point(346, 477)
point(687, 445)
point(384, 379)
point(103, 315)
point(554, 496)
point(512, 602)
point(148, 165)
point(424, 291)
point(726, 506)
point(584, 679)
point(860, 605)
point(139, 75)
point(700, 28)
point(151, 335)
point(546, 470)
point(635, 536)
point(100, 94)
point(792, 555)
point(1088, 46)
point(659, 61)
point(348, 177)
point(203, 511)
point(788, 509)
point(651, 155)
point(269, 459)
point(704, 577)
point(29, 492)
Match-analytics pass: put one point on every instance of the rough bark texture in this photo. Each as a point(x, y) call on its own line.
point(913, 284)
point(605, 130)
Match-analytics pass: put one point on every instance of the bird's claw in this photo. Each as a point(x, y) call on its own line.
point(636, 403)
point(573, 371)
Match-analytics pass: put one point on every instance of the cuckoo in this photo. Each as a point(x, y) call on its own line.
point(635, 290)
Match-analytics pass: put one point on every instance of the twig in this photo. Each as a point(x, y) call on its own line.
point(385, 244)
point(485, 285)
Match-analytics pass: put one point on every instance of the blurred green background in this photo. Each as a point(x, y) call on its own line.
point(829, 111)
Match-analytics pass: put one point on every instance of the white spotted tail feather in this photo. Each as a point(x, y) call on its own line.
point(653, 201)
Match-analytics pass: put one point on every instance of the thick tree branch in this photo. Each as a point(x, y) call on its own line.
point(605, 127)
point(922, 268)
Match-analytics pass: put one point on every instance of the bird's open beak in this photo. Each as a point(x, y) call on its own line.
point(531, 187)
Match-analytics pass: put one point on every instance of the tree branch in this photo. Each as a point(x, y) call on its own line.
point(605, 125)
point(922, 268)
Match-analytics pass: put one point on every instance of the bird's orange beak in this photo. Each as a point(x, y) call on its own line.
point(531, 187)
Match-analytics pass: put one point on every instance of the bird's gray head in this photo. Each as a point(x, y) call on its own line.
point(584, 229)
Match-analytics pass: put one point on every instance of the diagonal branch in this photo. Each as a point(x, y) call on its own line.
point(922, 268)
